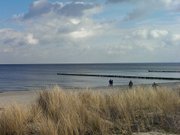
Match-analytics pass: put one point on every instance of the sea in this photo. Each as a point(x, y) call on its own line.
point(41, 76)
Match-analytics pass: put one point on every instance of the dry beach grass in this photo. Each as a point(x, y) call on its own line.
point(95, 112)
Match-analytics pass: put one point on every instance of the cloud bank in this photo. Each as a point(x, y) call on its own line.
point(68, 9)
point(70, 32)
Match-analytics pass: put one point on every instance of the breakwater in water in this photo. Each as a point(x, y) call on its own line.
point(121, 76)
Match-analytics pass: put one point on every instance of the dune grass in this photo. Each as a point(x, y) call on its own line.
point(95, 112)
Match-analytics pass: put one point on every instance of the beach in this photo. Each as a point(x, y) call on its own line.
point(22, 105)
point(25, 98)
point(90, 67)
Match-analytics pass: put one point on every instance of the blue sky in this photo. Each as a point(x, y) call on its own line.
point(9, 8)
point(89, 31)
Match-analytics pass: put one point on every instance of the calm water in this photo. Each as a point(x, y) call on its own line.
point(27, 77)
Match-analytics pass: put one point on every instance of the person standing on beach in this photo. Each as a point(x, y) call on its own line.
point(110, 82)
point(154, 85)
point(130, 84)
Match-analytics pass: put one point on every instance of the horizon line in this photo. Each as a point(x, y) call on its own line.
point(89, 63)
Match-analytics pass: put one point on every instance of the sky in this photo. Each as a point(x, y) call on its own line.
point(89, 31)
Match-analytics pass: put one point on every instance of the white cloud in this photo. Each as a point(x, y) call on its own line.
point(166, 3)
point(143, 33)
point(54, 22)
point(10, 37)
point(176, 37)
point(82, 33)
point(142, 8)
point(39, 8)
point(175, 40)
point(75, 21)
point(158, 33)
point(6, 50)
point(67, 32)
point(150, 33)
point(31, 40)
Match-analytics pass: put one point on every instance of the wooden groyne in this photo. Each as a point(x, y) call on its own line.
point(166, 71)
point(120, 76)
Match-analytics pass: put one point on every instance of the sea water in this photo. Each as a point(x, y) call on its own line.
point(35, 76)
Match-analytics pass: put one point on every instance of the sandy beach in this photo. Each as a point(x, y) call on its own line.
point(23, 98)
point(28, 97)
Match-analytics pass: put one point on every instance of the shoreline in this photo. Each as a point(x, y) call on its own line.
point(164, 84)
point(172, 85)
point(27, 97)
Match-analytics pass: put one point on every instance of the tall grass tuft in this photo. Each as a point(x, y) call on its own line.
point(14, 121)
point(95, 112)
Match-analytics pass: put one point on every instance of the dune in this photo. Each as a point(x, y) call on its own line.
point(113, 111)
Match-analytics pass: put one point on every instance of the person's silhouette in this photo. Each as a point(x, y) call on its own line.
point(154, 85)
point(110, 82)
point(130, 84)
